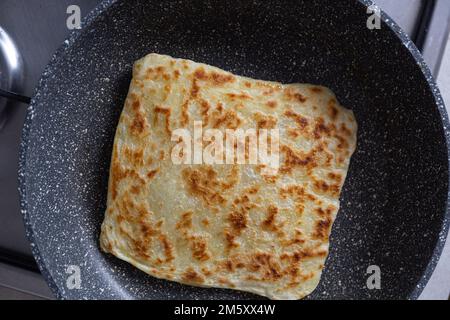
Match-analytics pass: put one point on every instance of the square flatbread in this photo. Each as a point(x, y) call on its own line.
point(228, 226)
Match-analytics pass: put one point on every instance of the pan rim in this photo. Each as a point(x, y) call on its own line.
point(439, 102)
point(100, 9)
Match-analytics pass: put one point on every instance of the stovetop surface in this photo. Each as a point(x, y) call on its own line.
point(38, 28)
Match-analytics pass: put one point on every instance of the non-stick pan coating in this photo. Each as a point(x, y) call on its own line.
point(394, 204)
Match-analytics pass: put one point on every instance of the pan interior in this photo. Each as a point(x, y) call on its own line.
point(394, 200)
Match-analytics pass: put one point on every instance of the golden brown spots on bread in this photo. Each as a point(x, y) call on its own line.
point(138, 125)
point(232, 178)
point(238, 221)
point(152, 173)
point(269, 92)
point(140, 239)
point(325, 212)
point(243, 202)
point(167, 91)
point(195, 89)
point(333, 111)
point(141, 247)
point(269, 222)
point(167, 247)
point(118, 174)
point(140, 84)
point(205, 107)
point(337, 177)
point(204, 183)
point(135, 101)
point(214, 78)
point(219, 79)
point(199, 249)
point(253, 190)
point(205, 222)
point(272, 104)
point(185, 221)
point(206, 272)
point(322, 229)
point(162, 155)
point(200, 73)
point(345, 130)
point(134, 157)
point(321, 129)
point(297, 239)
point(147, 230)
point(265, 265)
point(136, 105)
point(342, 143)
point(234, 262)
point(296, 159)
point(297, 191)
point(316, 90)
point(300, 196)
point(176, 74)
point(149, 161)
point(192, 276)
point(185, 113)
point(229, 265)
point(166, 112)
point(228, 119)
point(238, 96)
point(299, 209)
point(301, 122)
point(135, 189)
point(197, 243)
point(265, 121)
point(194, 94)
point(219, 108)
point(268, 89)
point(292, 95)
point(230, 240)
point(302, 254)
point(322, 187)
point(158, 73)
point(238, 218)
point(293, 133)
point(225, 282)
point(269, 179)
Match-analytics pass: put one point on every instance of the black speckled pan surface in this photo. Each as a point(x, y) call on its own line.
point(394, 204)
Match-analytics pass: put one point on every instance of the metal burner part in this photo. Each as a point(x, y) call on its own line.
point(11, 71)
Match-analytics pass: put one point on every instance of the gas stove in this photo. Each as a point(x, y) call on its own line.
point(31, 30)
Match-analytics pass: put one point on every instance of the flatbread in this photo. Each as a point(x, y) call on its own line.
point(228, 226)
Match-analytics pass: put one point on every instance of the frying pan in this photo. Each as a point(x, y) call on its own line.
point(394, 204)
